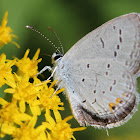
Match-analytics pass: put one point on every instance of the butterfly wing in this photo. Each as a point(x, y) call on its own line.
point(102, 93)
point(99, 73)
point(118, 39)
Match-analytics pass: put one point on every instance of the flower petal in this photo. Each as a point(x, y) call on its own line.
point(3, 102)
point(35, 110)
point(22, 106)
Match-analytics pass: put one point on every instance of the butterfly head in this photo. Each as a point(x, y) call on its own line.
point(56, 57)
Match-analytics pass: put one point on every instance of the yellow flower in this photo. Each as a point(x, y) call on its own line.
point(34, 104)
point(5, 33)
point(46, 99)
point(28, 66)
point(9, 116)
point(60, 129)
point(5, 68)
point(28, 132)
point(22, 90)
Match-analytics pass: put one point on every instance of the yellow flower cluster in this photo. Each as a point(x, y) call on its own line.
point(28, 100)
point(5, 33)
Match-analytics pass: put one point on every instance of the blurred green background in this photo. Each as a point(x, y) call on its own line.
point(71, 19)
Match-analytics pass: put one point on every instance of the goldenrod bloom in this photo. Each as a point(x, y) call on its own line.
point(5, 33)
point(9, 116)
point(27, 131)
point(5, 68)
point(28, 66)
point(23, 91)
point(46, 99)
point(60, 129)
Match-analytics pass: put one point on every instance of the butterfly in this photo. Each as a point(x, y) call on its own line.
point(99, 73)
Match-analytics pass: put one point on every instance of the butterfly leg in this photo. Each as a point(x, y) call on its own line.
point(44, 69)
point(51, 73)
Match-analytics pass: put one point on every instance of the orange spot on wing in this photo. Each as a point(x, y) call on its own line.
point(111, 105)
point(118, 100)
point(123, 94)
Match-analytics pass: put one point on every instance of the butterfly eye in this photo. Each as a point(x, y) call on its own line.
point(57, 56)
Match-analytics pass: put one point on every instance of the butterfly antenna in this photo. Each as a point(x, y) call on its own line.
point(33, 29)
point(61, 46)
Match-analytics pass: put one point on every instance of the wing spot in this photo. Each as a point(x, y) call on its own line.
point(108, 66)
point(94, 91)
point(87, 65)
point(103, 92)
point(83, 79)
point(94, 101)
point(62, 67)
point(102, 42)
point(113, 107)
point(115, 53)
point(110, 88)
point(118, 47)
point(120, 101)
point(120, 39)
point(120, 31)
point(130, 86)
point(131, 55)
point(84, 101)
point(123, 76)
point(128, 95)
point(114, 82)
